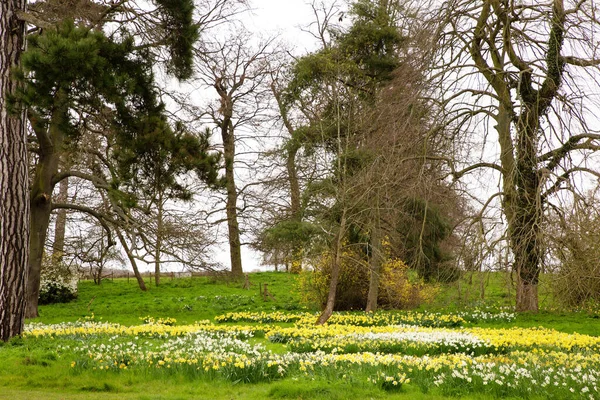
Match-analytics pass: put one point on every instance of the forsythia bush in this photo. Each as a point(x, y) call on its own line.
point(398, 288)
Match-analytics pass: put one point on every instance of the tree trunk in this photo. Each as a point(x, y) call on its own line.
point(295, 208)
point(60, 225)
point(375, 267)
point(521, 166)
point(335, 272)
point(521, 203)
point(292, 147)
point(136, 271)
point(51, 143)
point(235, 250)
point(14, 207)
point(159, 233)
point(526, 226)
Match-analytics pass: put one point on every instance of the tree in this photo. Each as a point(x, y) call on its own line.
point(14, 208)
point(156, 180)
point(238, 73)
point(83, 104)
point(520, 68)
point(359, 101)
point(71, 69)
point(576, 247)
point(110, 89)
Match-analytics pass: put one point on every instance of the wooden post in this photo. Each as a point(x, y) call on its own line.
point(267, 293)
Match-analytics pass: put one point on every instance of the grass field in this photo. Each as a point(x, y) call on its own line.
point(201, 338)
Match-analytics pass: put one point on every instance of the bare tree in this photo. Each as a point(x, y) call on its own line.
point(14, 208)
point(237, 71)
point(518, 74)
point(90, 248)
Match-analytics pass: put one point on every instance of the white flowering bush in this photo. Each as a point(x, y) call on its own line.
point(58, 283)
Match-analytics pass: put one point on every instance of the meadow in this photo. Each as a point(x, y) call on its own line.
point(208, 338)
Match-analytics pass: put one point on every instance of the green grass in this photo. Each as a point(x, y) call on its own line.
point(186, 299)
point(32, 369)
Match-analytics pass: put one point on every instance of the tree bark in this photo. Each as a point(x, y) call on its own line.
point(295, 207)
point(51, 144)
point(292, 147)
point(159, 235)
point(518, 128)
point(375, 266)
point(14, 207)
point(335, 272)
point(60, 225)
point(235, 250)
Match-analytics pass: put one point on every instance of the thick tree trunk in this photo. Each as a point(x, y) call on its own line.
point(526, 226)
point(60, 225)
point(335, 272)
point(521, 169)
point(526, 248)
point(235, 250)
point(522, 204)
point(14, 207)
point(41, 202)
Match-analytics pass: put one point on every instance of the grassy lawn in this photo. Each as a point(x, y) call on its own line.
point(231, 343)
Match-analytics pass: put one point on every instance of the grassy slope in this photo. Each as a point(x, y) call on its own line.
point(187, 299)
point(31, 370)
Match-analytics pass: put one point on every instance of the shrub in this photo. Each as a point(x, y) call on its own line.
point(352, 284)
point(55, 292)
point(399, 288)
point(576, 281)
point(58, 282)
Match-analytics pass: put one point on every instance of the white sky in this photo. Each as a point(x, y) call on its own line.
point(283, 18)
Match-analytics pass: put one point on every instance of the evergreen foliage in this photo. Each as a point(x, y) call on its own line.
point(181, 34)
point(342, 82)
point(84, 73)
point(423, 227)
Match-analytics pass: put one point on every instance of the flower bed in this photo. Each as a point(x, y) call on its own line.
point(499, 363)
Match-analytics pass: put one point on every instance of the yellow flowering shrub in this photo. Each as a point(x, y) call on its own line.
point(352, 286)
point(398, 289)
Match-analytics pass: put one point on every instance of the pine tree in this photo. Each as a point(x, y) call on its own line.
point(14, 209)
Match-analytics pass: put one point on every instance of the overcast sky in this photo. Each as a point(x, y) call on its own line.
point(284, 18)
